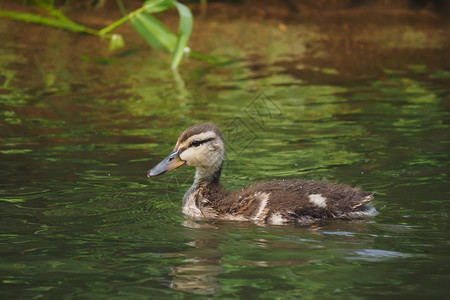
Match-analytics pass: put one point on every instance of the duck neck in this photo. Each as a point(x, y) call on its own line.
point(204, 176)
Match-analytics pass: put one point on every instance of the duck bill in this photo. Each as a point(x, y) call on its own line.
point(168, 164)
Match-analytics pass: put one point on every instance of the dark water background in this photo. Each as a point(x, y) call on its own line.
point(357, 100)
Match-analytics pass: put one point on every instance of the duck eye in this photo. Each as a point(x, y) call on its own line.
point(196, 143)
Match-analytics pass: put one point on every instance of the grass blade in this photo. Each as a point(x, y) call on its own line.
point(158, 35)
point(57, 23)
point(184, 32)
point(156, 6)
point(154, 32)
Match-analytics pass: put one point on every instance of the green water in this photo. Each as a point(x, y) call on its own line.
point(79, 218)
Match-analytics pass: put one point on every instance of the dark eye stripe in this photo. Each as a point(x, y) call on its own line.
point(198, 143)
point(195, 143)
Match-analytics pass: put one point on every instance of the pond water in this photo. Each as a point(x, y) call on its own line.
point(80, 127)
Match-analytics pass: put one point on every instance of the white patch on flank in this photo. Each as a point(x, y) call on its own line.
point(262, 212)
point(318, 200)
point(277, 219)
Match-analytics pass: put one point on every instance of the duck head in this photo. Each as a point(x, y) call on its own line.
point(201, 146)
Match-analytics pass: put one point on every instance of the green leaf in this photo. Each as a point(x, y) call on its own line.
point(156, 6)
point(158, 35)
point(184, 32)
point(154, 32)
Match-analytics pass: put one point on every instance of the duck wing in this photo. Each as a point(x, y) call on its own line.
point(298, 201)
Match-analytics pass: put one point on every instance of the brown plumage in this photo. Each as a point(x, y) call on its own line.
point(276, 202)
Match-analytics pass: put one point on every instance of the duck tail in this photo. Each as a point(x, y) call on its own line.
point(364, 208)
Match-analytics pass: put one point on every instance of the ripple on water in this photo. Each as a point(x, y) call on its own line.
point(376, 255)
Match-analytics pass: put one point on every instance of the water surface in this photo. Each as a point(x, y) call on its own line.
point(80, 128)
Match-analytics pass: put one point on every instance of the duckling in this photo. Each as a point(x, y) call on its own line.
point(276, 202)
